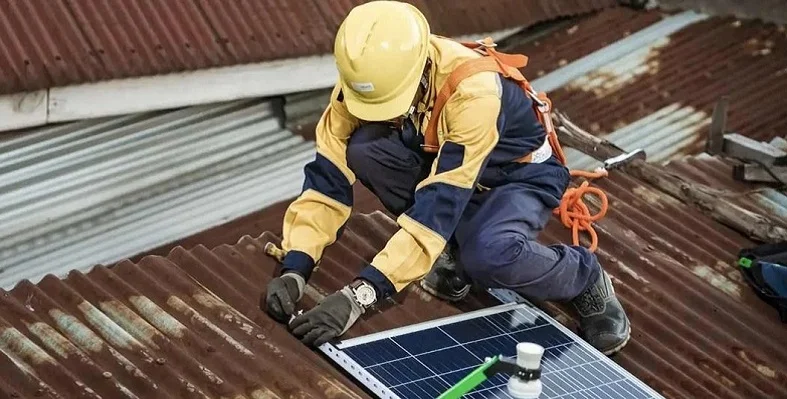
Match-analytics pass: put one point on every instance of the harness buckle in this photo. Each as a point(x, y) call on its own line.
point(486, 43)
point(542, 105)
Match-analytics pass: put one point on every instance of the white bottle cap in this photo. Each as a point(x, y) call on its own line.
point(528, 355)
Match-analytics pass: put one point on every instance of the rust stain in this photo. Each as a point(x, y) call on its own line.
point(715, 279)
point(180, 306)
point(77, 332)
point(761, 368)
point(157, 316)
point(648, 195)
point(107, 328)
point(227, 313)
point(23, 352)
point(264, 394)
point(54, 341)
point(621, 72)
point(131, 322)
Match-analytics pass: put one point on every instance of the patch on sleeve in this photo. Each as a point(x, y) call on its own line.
point(451, 157)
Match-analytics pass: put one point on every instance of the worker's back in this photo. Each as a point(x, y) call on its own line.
point(519, 130)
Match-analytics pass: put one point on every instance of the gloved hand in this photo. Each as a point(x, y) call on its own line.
point(332, 317)
point(282, 294)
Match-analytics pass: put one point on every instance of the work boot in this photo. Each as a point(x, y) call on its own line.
point(603, 322)
point(444, 280)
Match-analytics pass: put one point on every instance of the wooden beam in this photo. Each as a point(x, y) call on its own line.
point(756, 173)
point(709, 201)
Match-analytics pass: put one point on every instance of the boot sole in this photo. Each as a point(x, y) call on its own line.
point(617, 348)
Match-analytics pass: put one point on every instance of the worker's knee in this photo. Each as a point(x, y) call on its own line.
point(485, 254)
point(505, 259)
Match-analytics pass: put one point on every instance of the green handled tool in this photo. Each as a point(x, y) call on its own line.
point(489, 368)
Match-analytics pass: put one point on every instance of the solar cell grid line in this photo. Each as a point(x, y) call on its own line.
point(426, 359)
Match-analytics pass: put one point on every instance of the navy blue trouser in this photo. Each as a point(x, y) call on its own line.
point(495, 239)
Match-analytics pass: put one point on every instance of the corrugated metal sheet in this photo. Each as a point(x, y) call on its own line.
point(660, 97)
point(95, 192)
point(698, 330)
point(63, 42)
point(184, 326)
point(767, 10)
point(577, 37)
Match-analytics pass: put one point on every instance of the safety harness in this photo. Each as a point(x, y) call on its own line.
point(573, 212)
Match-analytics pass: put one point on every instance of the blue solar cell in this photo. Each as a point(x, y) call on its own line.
point(471, 330)
point(383, 351)
point(425, 363)
point(448, 360)
point(400, 371)
point(424, 341)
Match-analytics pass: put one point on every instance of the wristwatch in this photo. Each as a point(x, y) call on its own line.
point(364, 293)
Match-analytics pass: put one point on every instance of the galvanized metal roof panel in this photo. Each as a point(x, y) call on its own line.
point(57, 43)
point(94, 192)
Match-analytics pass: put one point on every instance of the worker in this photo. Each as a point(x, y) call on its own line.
point(467, 214)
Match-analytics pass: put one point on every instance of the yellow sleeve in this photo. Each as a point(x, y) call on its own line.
point(471, 117)
point(314, 220)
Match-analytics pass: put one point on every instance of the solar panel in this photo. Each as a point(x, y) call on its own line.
point(424, 360)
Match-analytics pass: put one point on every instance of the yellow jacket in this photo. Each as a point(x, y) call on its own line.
point(467, 131)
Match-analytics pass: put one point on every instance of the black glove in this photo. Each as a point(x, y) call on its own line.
point(332, 317)
point(282, 295)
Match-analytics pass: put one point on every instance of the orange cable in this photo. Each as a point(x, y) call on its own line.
point(575, 214)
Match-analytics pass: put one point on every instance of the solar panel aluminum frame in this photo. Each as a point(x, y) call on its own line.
point(510, 300)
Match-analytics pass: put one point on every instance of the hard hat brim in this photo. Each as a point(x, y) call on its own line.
point(381, 111)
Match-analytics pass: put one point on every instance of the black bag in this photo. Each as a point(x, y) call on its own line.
point(765, 269)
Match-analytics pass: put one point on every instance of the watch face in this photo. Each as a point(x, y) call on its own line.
point(365, 295)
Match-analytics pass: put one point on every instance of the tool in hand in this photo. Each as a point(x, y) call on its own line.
point(525, 380)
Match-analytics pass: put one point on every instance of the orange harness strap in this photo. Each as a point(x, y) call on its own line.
point(573, 212)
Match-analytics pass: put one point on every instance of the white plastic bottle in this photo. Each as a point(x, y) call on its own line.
point(528, 356)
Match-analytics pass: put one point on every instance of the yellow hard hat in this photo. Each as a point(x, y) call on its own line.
point(381, 49)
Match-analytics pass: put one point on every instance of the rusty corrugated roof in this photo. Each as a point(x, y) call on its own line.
point(698, 329)
point(179, 323)
point(577, 38)
point(60, 42)
point(767, 10)
point(185, 325)
point(672, 86)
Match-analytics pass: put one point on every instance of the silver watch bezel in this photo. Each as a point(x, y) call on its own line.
point(361, 297)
